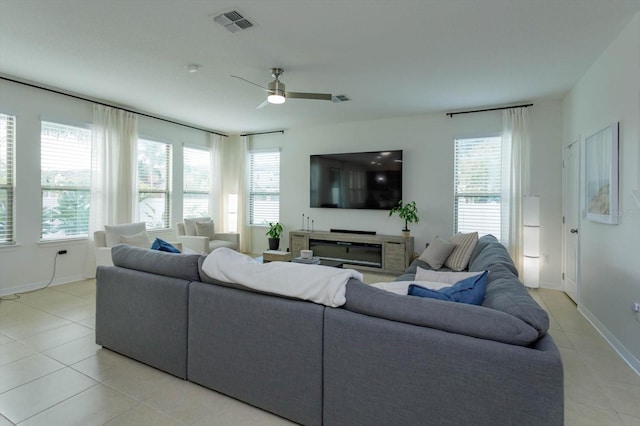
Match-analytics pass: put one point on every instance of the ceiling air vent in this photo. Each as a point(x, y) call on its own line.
point(233, 21)
point(340, 98)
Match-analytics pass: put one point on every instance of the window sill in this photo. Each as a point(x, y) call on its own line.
point(55, 243)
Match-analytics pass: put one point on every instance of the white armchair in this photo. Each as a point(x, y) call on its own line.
point(110, 237)
point(130, 233)
point(199, 235)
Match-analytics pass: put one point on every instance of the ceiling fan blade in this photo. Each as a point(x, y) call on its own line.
point(263, 104)
point(250, 82)
point(300, 95)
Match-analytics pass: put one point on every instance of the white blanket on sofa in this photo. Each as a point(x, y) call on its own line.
point(319, 284)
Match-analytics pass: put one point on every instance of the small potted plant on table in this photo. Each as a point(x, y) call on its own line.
point(408, 212)
point(274, 232)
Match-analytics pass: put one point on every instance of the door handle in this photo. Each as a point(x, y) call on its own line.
point(574, 230)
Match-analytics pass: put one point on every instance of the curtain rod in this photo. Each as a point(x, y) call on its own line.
point(59, 92)
point(263, 133)
point(451, 114)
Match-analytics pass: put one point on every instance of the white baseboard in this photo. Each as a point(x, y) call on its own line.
point(617, 346)
point(38, 285)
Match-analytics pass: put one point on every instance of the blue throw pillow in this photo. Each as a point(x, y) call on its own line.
point(470, 290)
point(162, 245)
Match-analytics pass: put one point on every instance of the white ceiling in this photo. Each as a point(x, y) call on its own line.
point(391, 57)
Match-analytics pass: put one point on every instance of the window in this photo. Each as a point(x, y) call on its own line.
point(154, 177)
point(478, 185)
point(197, 182)
point(65, 178)
point(7, 142)
point(264, 187)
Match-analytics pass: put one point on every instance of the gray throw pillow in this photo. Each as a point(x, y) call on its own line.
point(437, 253)
point(205, 229)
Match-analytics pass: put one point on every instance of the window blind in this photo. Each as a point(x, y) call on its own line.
point(7, 143)
point(154, 177)
point(197, 182)
point(65, 178)
point(264, 187)
point(478, 185)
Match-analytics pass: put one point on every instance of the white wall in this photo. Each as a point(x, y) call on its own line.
point(29, 264)
point(427, 142)
point(609, 92)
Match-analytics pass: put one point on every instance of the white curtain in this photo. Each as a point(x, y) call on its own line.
point(230, 186)
point(113, 171)
point(515, 178)
point(216, 199)
point(246, 240)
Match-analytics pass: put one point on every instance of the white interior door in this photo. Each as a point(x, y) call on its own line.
point(571, 220)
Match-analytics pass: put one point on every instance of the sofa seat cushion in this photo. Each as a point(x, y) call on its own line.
point(460, 318)
point(184, 266)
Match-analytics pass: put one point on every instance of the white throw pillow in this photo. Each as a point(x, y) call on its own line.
point(450, 278)
point(458, 260)
point(437, 252)
point(190, 225)
point(205, 229)
point(141, 239)
point(114, 232)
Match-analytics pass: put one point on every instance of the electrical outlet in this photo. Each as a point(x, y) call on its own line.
point(62, 252)
point(635, 307)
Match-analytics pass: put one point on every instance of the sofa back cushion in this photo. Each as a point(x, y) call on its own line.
point(509, 296)
point(490, 252)
point(470, 320)
point(504, 291)
point(184, 266)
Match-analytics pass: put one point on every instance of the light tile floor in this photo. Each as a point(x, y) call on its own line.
point(52, 372)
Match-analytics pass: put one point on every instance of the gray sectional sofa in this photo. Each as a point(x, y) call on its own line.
point(380, 359)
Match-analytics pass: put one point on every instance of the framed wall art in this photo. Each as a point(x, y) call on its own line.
point(601, 175)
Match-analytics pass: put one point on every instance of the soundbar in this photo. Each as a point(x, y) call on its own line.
point(352, 231)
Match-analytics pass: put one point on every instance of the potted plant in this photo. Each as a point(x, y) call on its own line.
point(408, 212)
point(274, 232)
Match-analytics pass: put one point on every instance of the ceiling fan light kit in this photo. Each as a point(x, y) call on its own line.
point(276, 89)
point(276, 93)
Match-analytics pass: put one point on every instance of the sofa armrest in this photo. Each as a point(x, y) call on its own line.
point(103, 256)
point(232, 237)
point(100, 238)
point(197, 244)
point(176, 244)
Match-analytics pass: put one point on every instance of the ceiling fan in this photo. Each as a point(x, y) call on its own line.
point(276, 93)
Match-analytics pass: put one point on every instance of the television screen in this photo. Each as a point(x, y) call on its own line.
point(362, 180)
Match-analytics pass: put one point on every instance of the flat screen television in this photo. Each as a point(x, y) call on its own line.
point(359, 180)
